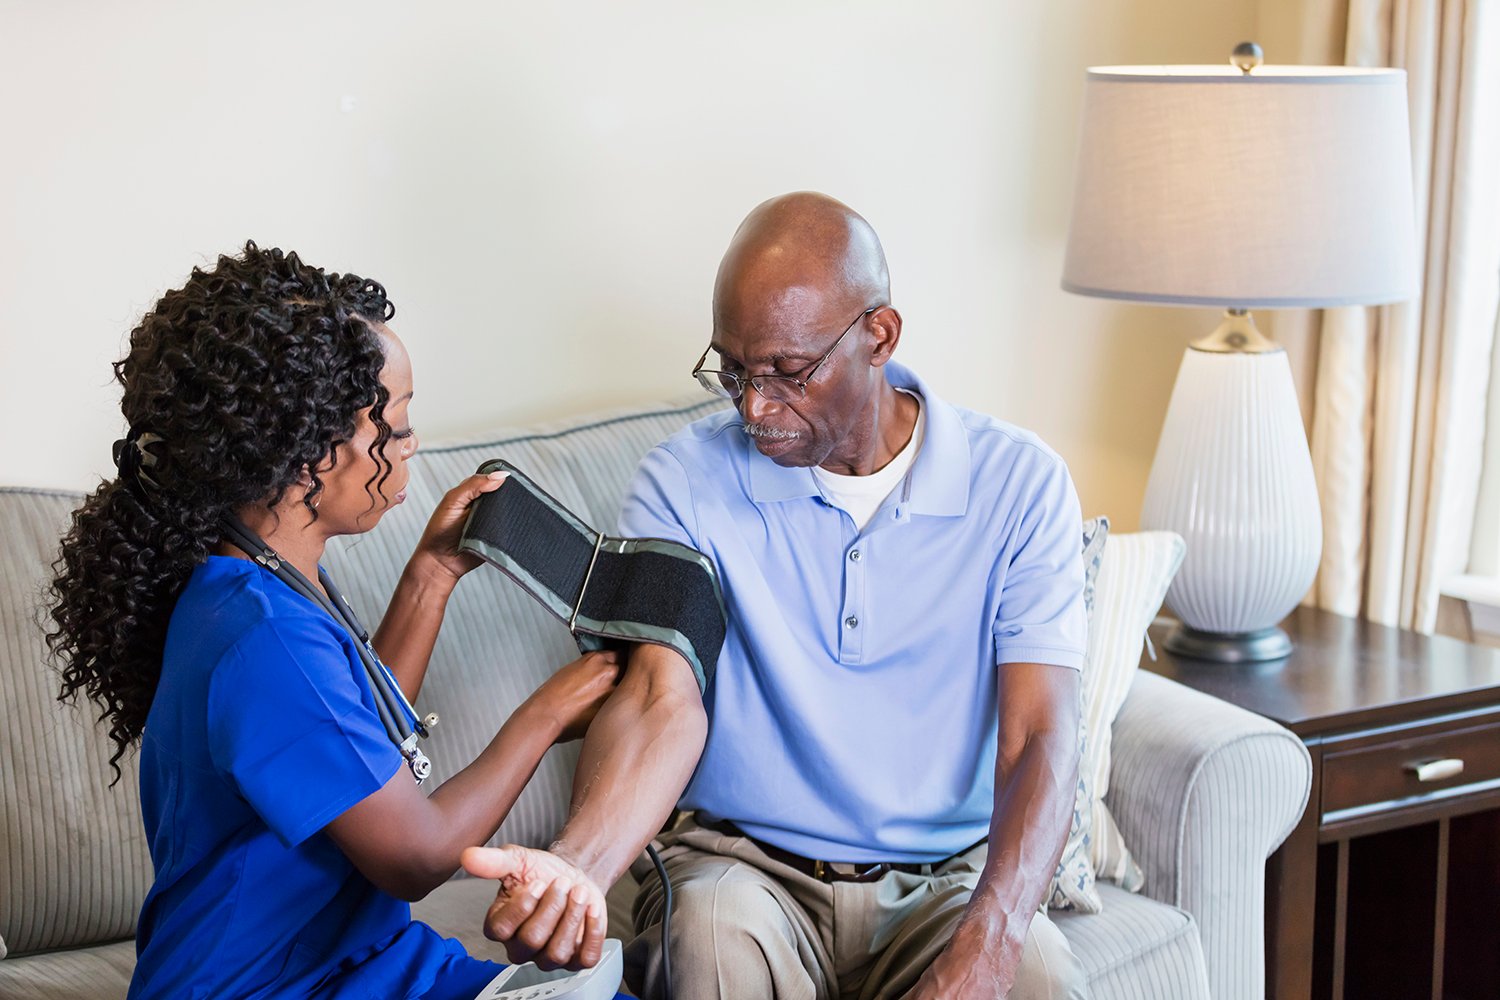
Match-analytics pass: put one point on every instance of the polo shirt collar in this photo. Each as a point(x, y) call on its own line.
point(938, 483)
point(939, 478)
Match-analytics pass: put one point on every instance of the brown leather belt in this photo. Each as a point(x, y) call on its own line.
point(828, 871)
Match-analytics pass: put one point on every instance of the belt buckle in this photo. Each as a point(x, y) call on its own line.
point(830, 871)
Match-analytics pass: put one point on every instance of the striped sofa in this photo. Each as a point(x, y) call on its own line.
point(1203, 791)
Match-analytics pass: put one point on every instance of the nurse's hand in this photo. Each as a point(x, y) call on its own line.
point(547, 911)
point(570, 698)
point(438, 547)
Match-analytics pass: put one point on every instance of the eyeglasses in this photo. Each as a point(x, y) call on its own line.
point(777, 388)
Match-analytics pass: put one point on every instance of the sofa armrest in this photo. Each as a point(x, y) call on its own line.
point(1204, 792)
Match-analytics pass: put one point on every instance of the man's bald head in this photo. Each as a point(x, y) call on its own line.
point(800, 246)
point(800, 269)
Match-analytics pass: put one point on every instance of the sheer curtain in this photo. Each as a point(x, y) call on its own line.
point(1401, 391)
point(1484, 551)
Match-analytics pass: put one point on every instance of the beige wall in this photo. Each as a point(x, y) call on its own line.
point(546, 188)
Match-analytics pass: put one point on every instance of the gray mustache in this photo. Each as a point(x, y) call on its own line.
point(769, 433)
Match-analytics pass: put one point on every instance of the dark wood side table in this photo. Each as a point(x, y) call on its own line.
point(1389, 887)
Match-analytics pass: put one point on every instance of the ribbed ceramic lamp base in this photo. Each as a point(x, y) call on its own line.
point(1244, 647)
point(1234, 478)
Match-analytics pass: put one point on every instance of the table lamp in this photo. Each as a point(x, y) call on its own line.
point(1243, 186)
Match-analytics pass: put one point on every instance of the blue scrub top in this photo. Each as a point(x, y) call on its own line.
point(262, 730)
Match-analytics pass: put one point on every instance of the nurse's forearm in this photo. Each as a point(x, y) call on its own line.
point(638, 755)
point(409, 629)
point(408, 843)
point(471, 805)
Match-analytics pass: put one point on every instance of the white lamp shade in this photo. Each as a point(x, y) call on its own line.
point(1200, 185)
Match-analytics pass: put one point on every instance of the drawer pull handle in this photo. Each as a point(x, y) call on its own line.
point(1437, 770)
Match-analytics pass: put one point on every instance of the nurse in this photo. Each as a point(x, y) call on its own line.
point(286, 831)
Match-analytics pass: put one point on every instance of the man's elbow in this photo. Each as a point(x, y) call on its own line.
point(675, 707)
point(1055, 746)
point(660, 691)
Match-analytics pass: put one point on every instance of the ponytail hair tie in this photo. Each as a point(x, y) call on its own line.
point(133, 459)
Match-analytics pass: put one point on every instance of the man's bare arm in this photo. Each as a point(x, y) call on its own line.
point(638, 755)
point(1036, 777)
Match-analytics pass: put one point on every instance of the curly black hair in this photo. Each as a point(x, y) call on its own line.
point(239, 384)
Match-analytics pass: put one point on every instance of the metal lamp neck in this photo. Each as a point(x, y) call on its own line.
point(1237, 335)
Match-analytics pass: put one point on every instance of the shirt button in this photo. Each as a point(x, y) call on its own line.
point(851, 622)
point(854, 556)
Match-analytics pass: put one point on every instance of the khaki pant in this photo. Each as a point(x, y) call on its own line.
point(746, 927)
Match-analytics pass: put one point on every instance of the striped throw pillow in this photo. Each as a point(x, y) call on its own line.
point(1073, 881)
point(1133, 575)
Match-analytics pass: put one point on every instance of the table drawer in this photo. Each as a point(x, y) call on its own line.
point(1386, 771)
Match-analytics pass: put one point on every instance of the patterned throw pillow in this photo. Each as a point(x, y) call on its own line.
point(1123, 594)
point(1133, 579)
point(1111, 859)
point(1073, 882)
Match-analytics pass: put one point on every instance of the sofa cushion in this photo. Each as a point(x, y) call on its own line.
point(101, 972)
point(1137, 948)
point(73, 860)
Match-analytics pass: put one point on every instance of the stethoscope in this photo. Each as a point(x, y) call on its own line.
point(396, 714)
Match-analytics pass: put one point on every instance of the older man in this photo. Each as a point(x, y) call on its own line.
point(891, 752)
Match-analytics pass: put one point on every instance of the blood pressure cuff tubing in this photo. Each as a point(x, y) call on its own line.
point(604, 588)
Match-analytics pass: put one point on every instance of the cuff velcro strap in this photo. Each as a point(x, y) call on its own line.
point(604, 588)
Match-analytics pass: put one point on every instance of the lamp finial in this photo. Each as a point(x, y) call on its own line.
point(1246, 57)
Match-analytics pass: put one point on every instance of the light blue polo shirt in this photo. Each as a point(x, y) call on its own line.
point(853, 714)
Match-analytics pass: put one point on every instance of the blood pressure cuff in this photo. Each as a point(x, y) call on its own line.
point(606, 589)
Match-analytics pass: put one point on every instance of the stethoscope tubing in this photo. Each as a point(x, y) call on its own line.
point(396, 714)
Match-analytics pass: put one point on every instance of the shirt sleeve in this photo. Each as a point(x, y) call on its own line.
point(293, 727)
point(1042, 617)
point(659, 501)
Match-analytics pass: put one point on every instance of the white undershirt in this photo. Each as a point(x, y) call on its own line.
point(861, 496)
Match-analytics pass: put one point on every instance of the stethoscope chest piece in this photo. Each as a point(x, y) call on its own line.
point(420, 766)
